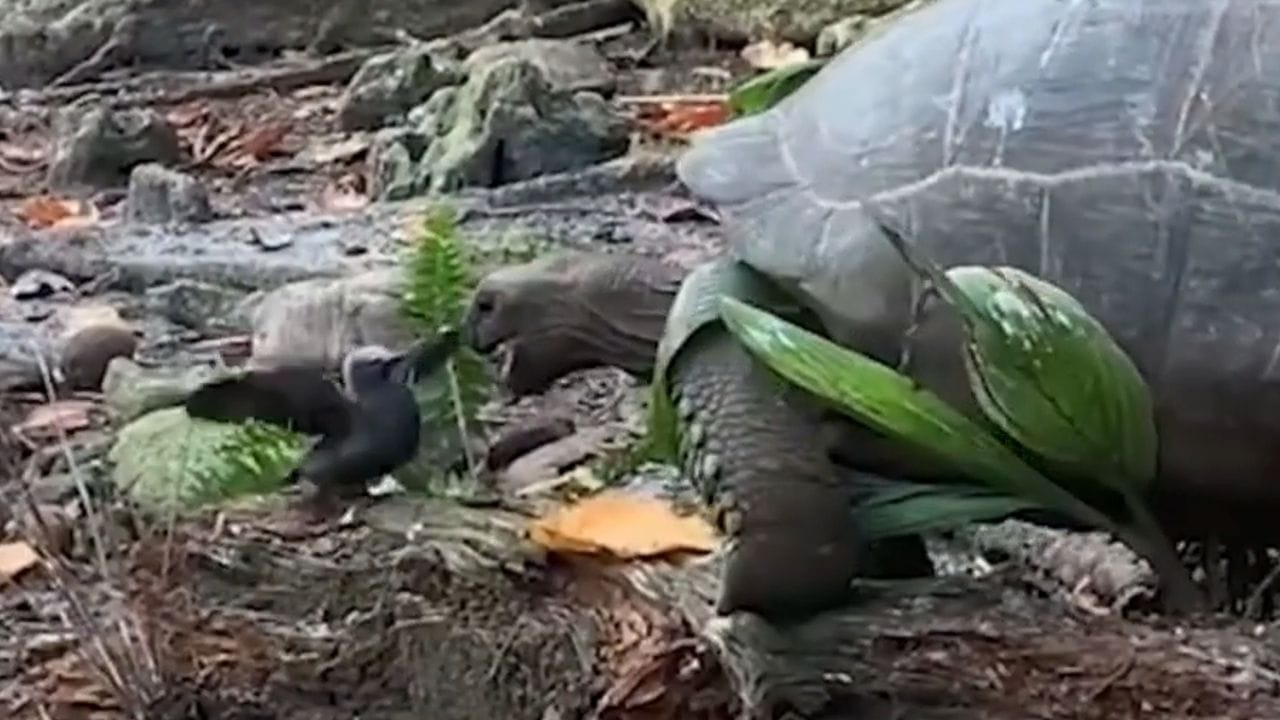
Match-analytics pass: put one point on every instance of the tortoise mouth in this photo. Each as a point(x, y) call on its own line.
point(531, 364)
point(504, 352)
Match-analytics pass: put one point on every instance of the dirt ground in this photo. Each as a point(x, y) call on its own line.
point(423, 609)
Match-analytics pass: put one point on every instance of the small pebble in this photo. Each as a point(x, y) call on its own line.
point(86, 353)
point(271, 241)
point(610, 233)
point(34, 284)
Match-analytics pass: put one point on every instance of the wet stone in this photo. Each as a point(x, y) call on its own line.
point(841, 34)
point(19, 369)
point(387, 86)
point(393, 159)
point(35, 284)
point(197, 305)
point(269, 241)
point(567, 65)
point(508, 124)
point(86, 353)
point(160, 195)
point(99, 147)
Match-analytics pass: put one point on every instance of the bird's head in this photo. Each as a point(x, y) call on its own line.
point(370, 365)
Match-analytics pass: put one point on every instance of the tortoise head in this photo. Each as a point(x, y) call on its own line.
point(570, 311)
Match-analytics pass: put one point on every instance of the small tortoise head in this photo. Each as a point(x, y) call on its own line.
point(571, 311)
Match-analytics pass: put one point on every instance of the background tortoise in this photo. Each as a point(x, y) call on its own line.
point(1127, 151)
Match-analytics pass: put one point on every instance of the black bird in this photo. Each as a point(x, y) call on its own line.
point(365, 433)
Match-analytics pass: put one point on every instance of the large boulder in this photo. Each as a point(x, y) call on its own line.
point(568, 65)
point(508, 122)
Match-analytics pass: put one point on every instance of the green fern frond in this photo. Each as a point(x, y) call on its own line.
point(439, 278)
point(255, 458)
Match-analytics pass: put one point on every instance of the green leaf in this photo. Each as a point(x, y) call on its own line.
point(662, 433)
point(911, 508)
point(1048, 374)
point(759, 93)
point(886, 400)
point(437, 287)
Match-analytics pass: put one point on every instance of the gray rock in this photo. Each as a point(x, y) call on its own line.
point(568, 65)
point(19, 343)
point(201, 306)
point(508, 124)
point(433, 116)
point(34, 284)
point(797, 21)
point(160, 195)
point(98, 146)
point(269, 241)
point(841, 34)
point(387, 86)
point(131, 390)
point(393, 158)
point(318, 321)
point(85, 354)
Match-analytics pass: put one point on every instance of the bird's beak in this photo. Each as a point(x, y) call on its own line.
point(423, 357)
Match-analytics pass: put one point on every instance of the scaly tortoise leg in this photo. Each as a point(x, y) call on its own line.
point(753, 447)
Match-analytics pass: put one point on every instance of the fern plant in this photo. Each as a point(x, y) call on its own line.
point(437, 286)
point(255, 458)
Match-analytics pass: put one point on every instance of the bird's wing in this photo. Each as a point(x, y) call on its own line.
point(425, 357)
point(300, 398)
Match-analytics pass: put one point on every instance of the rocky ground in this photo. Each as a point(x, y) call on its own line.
point(219, 184)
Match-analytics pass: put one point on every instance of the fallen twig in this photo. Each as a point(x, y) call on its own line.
point(114, 51)
point(335, 68)
point(582, 18)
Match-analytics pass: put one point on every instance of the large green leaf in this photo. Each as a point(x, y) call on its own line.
point(759, 93)
point(912, 508)
point(1047, 373)
point(1051, 377)
point(894, 404)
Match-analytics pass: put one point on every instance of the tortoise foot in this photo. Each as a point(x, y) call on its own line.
point(787, 571)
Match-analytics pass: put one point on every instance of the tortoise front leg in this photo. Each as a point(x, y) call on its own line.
point(753, 446)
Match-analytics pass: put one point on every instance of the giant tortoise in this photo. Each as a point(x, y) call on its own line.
point(1127, 151)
